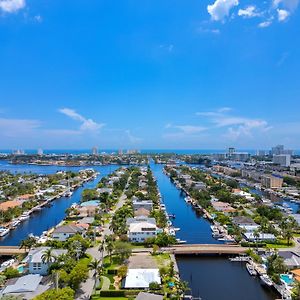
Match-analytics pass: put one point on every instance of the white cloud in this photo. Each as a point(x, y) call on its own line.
point(264, 24)
point(249, 12)
point(17, 127)
point(169, 48)
point(236, 126)
point(38, 18)
point(288, 4)
point(187, 129)
point(132, 139)
point(221, 9)
point(208, 30)
point(282, 14)
point(86, 124)
point(10, 6)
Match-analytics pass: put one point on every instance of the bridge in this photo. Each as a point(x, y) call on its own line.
point(12, 250)
point(206, 249)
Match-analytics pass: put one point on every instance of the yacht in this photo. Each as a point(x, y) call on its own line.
point(251, 269)
point(266, 280)
point(3, 231)
point(24, 216)
point(14, 223)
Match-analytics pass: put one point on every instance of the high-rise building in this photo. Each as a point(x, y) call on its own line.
point(40, 152)
point(279, 149)
point(95, 151)
point(231, 151)
point(120, 152)
point(271, 181)
point(284, 160)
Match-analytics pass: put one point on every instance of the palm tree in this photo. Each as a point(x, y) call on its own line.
point(109, 248)
point(27, 243)
point(48, 256)
point(94, 265)
point(288, 235)
point(256, 236)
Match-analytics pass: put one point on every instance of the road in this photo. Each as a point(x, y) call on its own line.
point(86, 289)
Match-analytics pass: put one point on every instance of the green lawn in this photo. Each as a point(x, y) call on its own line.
point(162, 259)
point(280, 243)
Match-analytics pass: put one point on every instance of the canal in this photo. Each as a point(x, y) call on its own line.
point(49, 216)
point(209, 277)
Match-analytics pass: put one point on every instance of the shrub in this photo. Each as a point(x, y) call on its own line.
point(112, 293)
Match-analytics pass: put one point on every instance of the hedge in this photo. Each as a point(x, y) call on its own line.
point(112, 271)
point(112, 293)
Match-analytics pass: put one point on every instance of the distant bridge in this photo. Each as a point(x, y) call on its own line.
point(206, 249)
point(12, 250)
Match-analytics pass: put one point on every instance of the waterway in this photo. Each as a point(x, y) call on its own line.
point(209, 277)
point(49, 216)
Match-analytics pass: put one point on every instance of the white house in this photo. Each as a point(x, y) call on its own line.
point(62, 233)
point(139, 232)
point(35, 260)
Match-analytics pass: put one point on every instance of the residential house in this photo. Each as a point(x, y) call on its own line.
point(139, 232)
point(62, 233)
point(291, 259)
point(35, 262)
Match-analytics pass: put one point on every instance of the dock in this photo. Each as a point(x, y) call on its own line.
point(12, 250)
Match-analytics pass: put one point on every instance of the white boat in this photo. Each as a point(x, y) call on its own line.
point(3, 231)
point(239, 259)
point(7, 263)
point(68, 193)
point(251, 270)
point(266, 280)
point(24, 216)
point(14, 224)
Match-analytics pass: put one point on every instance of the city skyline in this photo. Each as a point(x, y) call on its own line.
point(204, 75)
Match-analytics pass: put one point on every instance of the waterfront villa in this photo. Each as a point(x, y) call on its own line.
point(139, 232)
point(139, 220)
point(141, 278)
point(35, 260)
point(263, 237)
point(291, 259)
point(62, 233)
point(223, 207)
point(26, 287)
point(245, 223)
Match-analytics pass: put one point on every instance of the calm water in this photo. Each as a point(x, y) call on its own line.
point(48, 216)
point(193, 228)
point(216, 278)
point(209, 277)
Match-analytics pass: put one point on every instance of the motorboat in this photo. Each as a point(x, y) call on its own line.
point(24, 216)
point(251, 269)
point(3, 231)
point(14, 223)
point(265, 279)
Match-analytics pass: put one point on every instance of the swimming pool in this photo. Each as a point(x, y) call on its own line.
point(288, 279)
point(20, 269)
point(90, 203)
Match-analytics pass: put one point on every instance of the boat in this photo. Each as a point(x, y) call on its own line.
point(251, 269)
point(179, 241)
point(24, 216)
point(172, 216)
point(68, 193)
point(265, 279)
point(239, 259)
point(3, 231)
point(14, 224)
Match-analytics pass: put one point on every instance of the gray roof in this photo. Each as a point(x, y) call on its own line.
point(67, 229)
point(86, 220)
point(35, 255)
point(24, 284)
point(243, 220)
point(140, 219)
point(148, 296)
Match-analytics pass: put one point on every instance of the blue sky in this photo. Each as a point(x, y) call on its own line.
point(196, 74)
